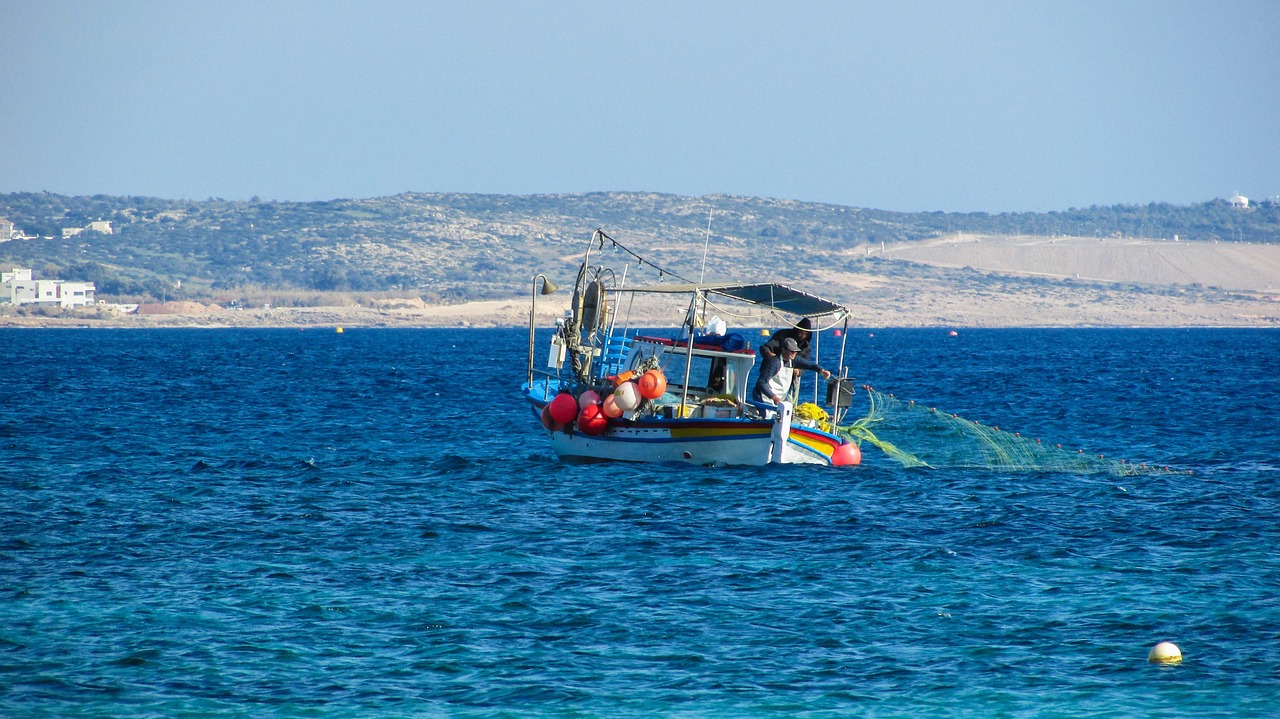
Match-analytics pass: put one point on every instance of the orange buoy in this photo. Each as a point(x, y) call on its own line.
point(652, 384)
point(564, 408)
point(610, 407)
point(624, 377)
point(591, 420)
point(846, 455)
point(626, 396)
point(588, 397)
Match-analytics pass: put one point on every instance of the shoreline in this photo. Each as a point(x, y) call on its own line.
point(913, 312)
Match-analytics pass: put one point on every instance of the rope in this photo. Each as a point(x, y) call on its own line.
point(726, 313)
point(640, 260)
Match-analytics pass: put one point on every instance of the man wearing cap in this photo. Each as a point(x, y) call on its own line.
point(778, 371)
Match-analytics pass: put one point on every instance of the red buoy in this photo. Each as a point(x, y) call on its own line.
point(652, 384)
point(564, 408)
point(547, 420)
point(846, 455)
point(591, 420)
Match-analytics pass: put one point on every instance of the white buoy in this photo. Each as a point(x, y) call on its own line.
point(627, 396)
point(1165, 653)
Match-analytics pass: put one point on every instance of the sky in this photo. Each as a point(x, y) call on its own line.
point(1026, 105)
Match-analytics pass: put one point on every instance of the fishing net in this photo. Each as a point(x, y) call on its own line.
point(919, 436)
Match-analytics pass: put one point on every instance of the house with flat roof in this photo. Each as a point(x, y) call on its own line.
point(19, 287)
point(103, 226)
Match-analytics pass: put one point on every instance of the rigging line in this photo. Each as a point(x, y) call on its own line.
point(731, 314)
point(640, 259)
point(839, 317)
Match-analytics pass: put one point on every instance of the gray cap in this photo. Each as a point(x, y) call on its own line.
point(790, 344)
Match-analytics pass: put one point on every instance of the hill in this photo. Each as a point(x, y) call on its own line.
point(453, 248)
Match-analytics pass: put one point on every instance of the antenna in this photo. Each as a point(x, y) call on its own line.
point(706, 242)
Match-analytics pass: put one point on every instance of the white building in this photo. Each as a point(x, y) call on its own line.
point(20, 288)
point(1239, 200)
point(103, 226)
point(9, 231)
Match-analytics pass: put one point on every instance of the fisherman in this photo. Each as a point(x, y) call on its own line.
point(778, 371)
point(801, 333)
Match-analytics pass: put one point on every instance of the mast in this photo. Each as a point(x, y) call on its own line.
point(705, 242)
point(688, 353)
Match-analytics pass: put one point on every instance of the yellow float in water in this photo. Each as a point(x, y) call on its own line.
point(1165, 653)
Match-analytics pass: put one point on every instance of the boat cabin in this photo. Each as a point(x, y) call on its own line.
point(718, 371)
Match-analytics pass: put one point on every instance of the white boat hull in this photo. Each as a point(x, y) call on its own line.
point(701, 442)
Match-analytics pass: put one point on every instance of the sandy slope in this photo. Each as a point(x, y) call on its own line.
point(1230, 266)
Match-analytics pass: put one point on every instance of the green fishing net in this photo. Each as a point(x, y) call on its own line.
point(920, 436)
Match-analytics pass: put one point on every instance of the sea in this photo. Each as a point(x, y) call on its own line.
point(307, 523)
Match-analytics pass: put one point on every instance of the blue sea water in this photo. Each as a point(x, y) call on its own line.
point(285, 523)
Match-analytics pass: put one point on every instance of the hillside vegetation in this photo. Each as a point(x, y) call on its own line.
point(455, 247)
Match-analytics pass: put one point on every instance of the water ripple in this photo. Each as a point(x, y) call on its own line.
point(290, 524)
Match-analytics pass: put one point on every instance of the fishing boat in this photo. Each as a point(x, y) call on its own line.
point(610, 392)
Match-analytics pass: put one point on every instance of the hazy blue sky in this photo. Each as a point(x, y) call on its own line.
point(991, 106)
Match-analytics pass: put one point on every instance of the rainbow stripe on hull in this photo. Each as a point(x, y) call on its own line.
point(812, 443)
